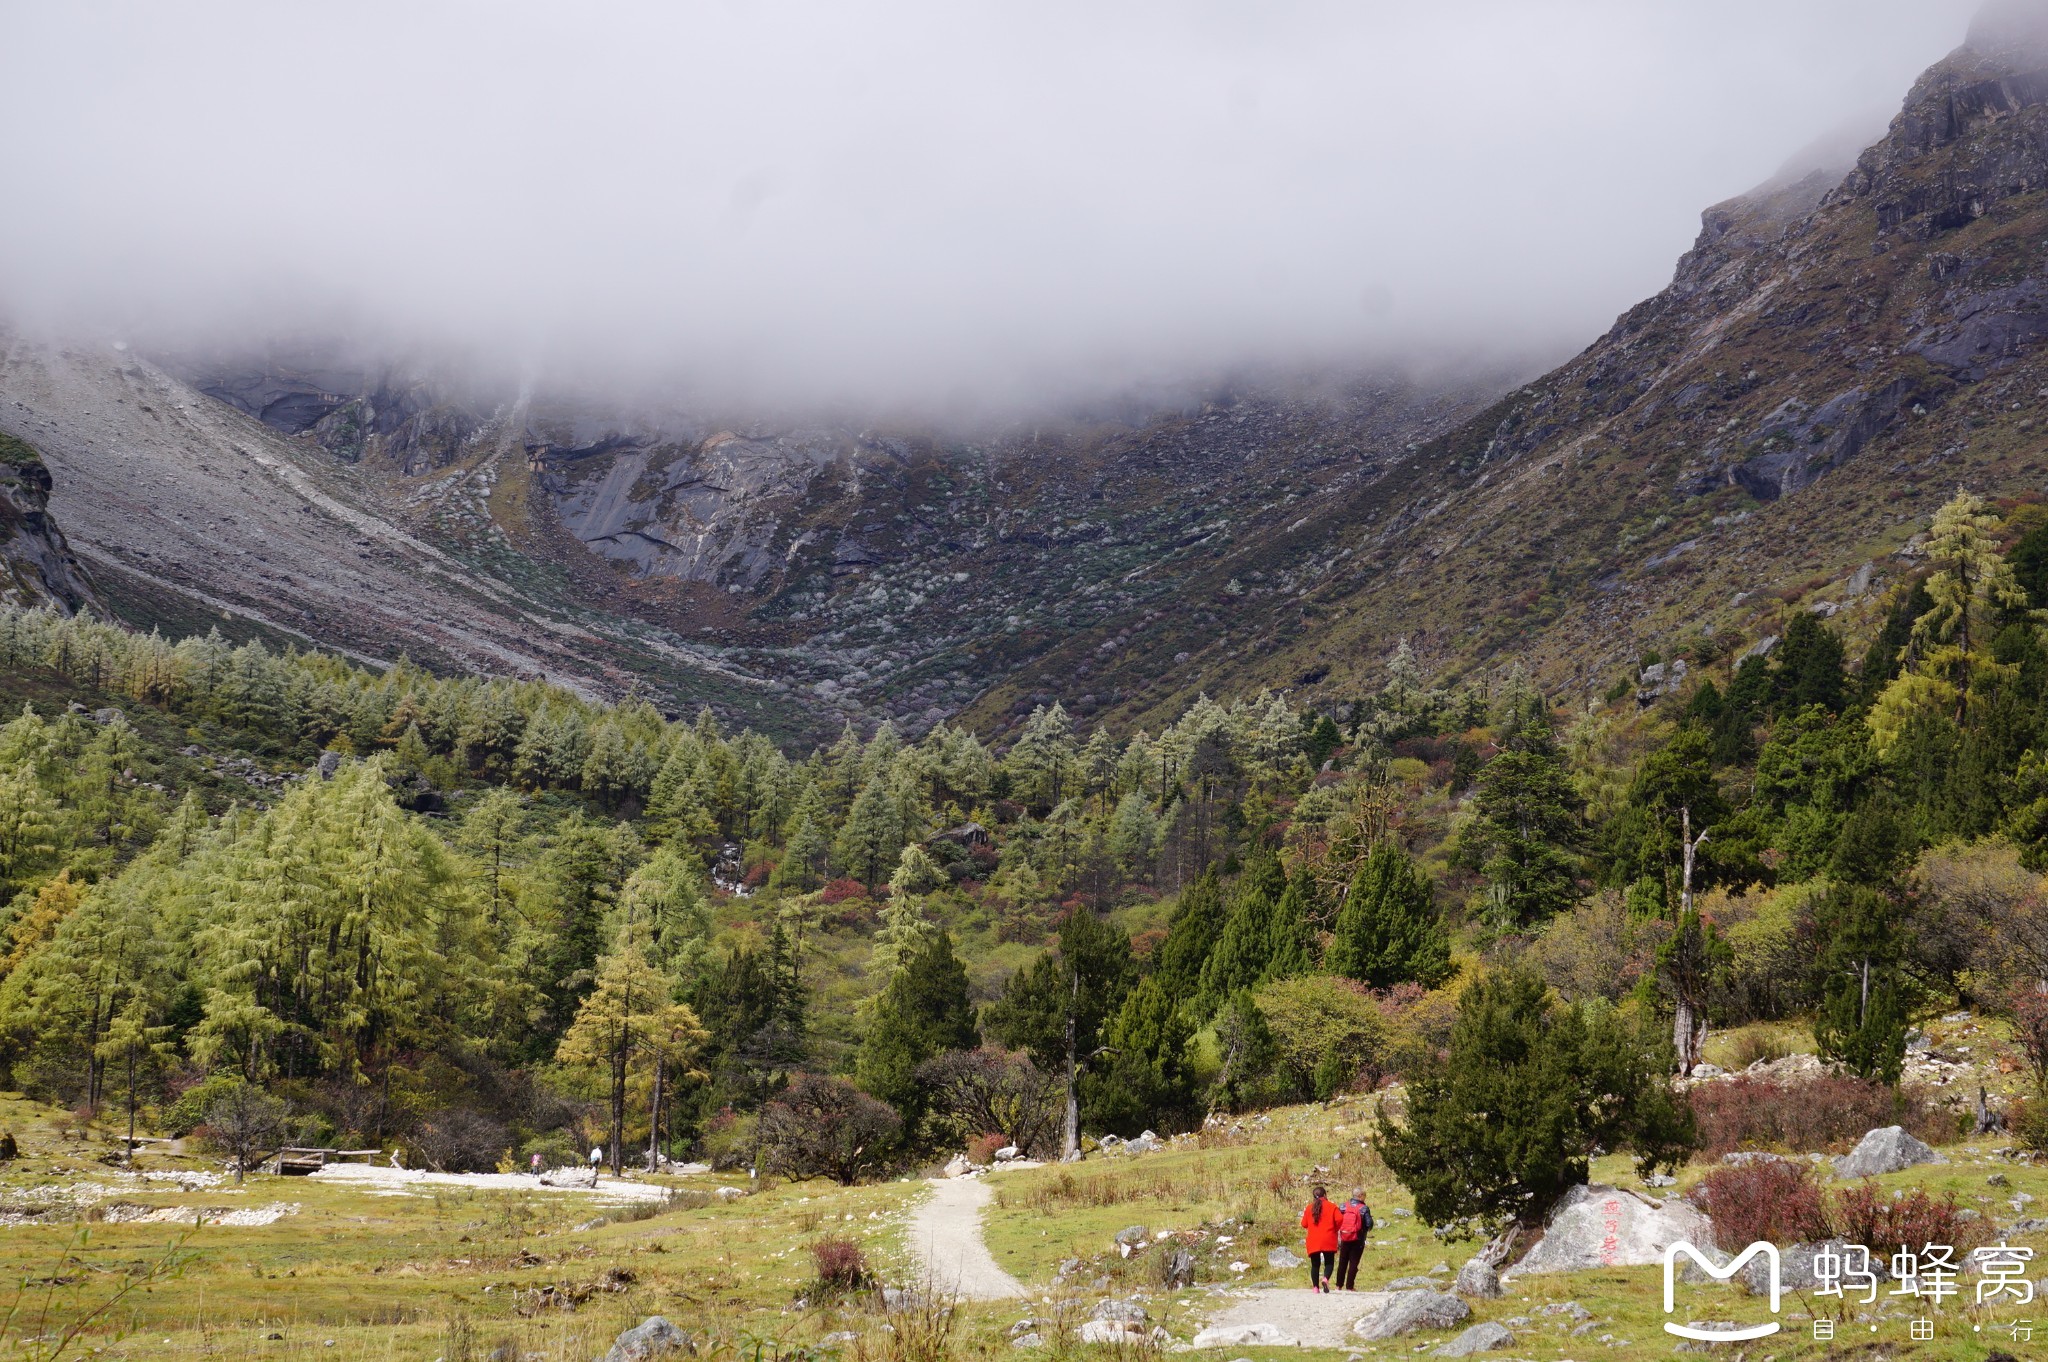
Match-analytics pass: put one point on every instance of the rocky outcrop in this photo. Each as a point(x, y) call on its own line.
point(1888, 1149)
point(37, 567)
point(651, 1339)
point(1598, 1226)
point(1409, 1311)
point(1482, 1337)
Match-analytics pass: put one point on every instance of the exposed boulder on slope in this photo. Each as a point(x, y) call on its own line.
point(1600, 1226)
point(36, 564)
point(1886, 1150)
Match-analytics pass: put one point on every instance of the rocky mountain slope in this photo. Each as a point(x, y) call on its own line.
point(1835, 354)
point(1832, 358)
point(37, 567)
point(191, 514)
point(894, 572)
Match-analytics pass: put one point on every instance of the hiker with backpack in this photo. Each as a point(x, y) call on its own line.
point(1354, 1222)
point(1320, 1220)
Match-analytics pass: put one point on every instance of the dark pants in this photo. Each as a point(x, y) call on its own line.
point(1319, 1267)
point(1349, 1251)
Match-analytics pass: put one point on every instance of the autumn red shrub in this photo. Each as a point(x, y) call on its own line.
point(839, 891)
point(1774, 1199)
point(982, 1148)
point(840, 1263)
point(1818, 1114)
point(1869, 1214)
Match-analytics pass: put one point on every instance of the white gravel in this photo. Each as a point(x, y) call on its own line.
point(384, 1180)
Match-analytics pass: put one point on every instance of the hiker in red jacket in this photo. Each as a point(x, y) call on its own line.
point(1354, 1222)
point(1320, 1220)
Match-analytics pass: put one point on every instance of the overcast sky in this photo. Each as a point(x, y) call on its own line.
point(908, 200)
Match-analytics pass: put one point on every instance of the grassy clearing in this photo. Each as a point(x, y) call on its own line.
point(425, 1274)
point(1250, 1188)
point(459, 1273)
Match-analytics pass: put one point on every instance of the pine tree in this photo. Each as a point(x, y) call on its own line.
point(872, 837)
point(1191, 935)
point(28, 828)
point(630, 1009)
point(136, 1049)
point(1807, 667)
point(1947, 658)
point(1529, 1092)
point(492, 833)
point(1292, 949)
point(57, 900)
point(1145, 1082)
point(1133, 833)
point(1862, 1018)
point(1057, 1007)
point(573, 897)
point(1388, 931)
point(916, 874)
point(667, 893)
point(1245, 947)
point(1249, 1054)
point(924, 1010)
point(1525, 832)
point(1690, 962)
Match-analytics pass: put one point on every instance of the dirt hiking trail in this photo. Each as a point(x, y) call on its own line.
point(1311, 1319)
point(945, 1234)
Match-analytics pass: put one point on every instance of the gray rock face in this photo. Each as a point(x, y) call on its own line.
point(1283, 1258)
point(37, 567)
point(1120, 1312)
point(1409, 1311)
point(1477, 1279)
point(653, 1337)
point(1133, 1235)
point(1888, 1149)
point(1483, 1337)
point(1599, 1226)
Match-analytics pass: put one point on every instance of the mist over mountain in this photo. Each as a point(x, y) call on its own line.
point(922, 206)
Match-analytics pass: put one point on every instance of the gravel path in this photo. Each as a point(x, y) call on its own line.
point(1311, 1319)
point(945, 1234)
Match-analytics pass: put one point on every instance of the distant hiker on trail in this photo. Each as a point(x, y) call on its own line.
point(533, 1165)
point(596, 1158)
point(1320, 1220)
point(1354, 1222)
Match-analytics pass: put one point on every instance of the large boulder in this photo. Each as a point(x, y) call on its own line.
point(1483, 1337)
point(654, 1337)
point(1888, 1149)
point(1284, 1258)
point(1478, 1279)
point(1597, 1226)
point(1259, 1335)
point(1409, 1311)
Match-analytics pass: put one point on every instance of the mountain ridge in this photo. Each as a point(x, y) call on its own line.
point(1765, 434)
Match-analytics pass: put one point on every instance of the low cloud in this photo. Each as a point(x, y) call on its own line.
point(911, 202)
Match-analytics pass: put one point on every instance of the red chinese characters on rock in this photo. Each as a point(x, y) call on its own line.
point(1610, 1238)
